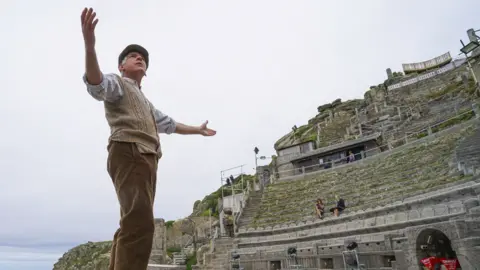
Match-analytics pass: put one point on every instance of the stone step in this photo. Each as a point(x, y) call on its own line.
point(401, 174)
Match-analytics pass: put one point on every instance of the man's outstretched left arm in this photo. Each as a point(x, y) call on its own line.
point(166, 124)
point(201, 130)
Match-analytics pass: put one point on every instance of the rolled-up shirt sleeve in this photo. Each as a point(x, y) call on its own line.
point(108, 90)
point(165, 124)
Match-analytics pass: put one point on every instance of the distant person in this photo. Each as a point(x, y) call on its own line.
point(351, 157)
point(338, 209)
point(328, 164)
point(133, 146)
point(320, 208)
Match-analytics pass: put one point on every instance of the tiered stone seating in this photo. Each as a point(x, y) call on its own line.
point(424, 166)
point(334, 133)
point(438, 113)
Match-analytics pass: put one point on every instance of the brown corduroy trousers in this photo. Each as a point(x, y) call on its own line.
point(134, 176)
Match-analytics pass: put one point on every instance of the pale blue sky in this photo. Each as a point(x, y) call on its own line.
point(252, 68)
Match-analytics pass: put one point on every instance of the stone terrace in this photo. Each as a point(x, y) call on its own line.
point(424, 166)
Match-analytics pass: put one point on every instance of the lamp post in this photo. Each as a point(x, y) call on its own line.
point(466, 49)
point(256, 153)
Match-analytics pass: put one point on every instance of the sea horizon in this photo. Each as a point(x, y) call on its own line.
point(31, 257)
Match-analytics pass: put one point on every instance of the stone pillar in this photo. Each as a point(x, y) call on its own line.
point(360, 129)
point(222, 227)
point(330, 115)
point(157, 256)
point(464, 80)
point(410, 259)
point(319, 130)
point(399, 113)
point(389, 73)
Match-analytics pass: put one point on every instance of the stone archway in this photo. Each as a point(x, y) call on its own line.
point(433, 242)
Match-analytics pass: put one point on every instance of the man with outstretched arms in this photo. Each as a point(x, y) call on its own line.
point(134, 146)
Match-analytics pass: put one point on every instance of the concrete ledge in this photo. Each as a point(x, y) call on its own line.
point(166, 267)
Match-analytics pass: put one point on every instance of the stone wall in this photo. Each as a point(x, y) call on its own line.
point(176, 239)
point(382, 233)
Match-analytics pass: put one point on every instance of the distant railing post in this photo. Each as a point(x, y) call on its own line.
point(476, 110)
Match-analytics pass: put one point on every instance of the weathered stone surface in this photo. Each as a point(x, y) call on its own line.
point(92, 255)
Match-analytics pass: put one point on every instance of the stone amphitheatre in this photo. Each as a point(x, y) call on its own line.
point(411, 193)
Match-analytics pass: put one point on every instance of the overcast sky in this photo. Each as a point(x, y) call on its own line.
point(252, 68)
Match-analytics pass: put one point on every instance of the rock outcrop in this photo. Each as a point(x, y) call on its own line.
point(337, 113)
point(89, 256)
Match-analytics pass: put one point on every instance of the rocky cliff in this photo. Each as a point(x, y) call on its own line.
point(89, 256)
point(176, 236)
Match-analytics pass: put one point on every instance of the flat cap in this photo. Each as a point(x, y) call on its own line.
point(133, 48)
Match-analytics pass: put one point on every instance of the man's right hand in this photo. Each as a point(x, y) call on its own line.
point(88, 27)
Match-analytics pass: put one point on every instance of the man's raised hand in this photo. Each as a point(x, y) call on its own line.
point(88, 27)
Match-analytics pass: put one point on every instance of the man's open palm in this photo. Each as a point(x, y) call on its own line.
point(206, 131)
point(88, 27)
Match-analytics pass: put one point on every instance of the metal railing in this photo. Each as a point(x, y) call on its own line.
point(372, 152)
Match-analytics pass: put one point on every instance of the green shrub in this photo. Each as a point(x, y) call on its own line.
point(192, 260)
point(169, 224)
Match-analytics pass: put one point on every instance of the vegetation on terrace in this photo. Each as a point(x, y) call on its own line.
point(210, 202)
point(341, 111)
point(375, 182)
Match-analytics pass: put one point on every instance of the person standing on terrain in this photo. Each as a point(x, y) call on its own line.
point(134, 145)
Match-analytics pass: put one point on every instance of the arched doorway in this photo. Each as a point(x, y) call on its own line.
point(434, 243)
